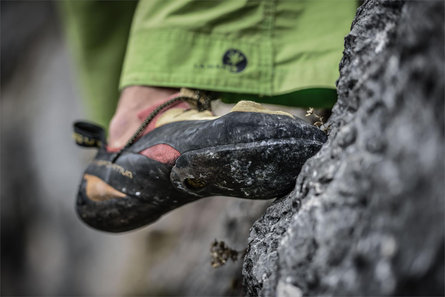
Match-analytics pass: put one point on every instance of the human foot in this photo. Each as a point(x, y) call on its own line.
point(133, 100)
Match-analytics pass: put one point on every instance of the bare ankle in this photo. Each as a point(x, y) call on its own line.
point(133, 99)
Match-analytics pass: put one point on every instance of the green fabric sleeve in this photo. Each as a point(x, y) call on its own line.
point(267, 49)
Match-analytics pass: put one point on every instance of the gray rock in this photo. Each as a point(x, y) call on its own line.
point(366, 215)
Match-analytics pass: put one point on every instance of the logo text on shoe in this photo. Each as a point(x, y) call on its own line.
point(114, 167)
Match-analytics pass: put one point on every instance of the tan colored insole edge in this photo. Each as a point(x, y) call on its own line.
point(179, 114)
point(250, 106)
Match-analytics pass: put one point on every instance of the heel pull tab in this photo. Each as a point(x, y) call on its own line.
point(89, 135)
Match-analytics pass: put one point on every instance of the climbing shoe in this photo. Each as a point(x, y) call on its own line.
point(182, 153)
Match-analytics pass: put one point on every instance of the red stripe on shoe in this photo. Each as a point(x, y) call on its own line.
point(163, 153)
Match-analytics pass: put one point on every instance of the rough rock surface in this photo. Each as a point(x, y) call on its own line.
point(367, 214)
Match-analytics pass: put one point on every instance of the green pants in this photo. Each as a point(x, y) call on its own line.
point(283, 52)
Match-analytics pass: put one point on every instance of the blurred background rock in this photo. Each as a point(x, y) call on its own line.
point(45, 249)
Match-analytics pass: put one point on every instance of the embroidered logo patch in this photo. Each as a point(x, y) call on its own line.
point(235, 60)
